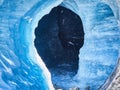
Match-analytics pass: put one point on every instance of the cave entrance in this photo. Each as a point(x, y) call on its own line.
point(59, 36)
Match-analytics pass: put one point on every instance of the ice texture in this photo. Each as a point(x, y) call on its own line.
point(20, 65)
point(100, 51)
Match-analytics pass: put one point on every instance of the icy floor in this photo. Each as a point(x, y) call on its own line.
point(65, 80)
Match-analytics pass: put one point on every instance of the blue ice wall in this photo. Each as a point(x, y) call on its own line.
point(20, 65)
point(100, 52)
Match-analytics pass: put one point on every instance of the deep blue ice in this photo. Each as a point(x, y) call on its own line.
point(20, 66)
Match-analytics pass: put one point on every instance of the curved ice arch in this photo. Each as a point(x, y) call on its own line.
point(19, 62)
point(18, 51)
point(30, 20)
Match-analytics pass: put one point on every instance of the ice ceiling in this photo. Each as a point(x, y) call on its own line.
point(20, 64)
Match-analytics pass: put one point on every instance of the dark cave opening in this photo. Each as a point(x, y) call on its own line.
point(59, 36)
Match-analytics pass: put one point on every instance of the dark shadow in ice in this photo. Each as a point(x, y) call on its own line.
point(59, 36)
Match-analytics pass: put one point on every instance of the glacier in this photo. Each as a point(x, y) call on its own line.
point(21, 68)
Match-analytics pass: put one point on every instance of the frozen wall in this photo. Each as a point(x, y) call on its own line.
point(115, 5)
point(20, 65)
point(100, 52)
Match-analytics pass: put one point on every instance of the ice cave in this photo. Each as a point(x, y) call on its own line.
point(66, 44)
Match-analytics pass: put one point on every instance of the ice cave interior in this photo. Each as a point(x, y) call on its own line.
point(59, 37)
point(48, 44)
